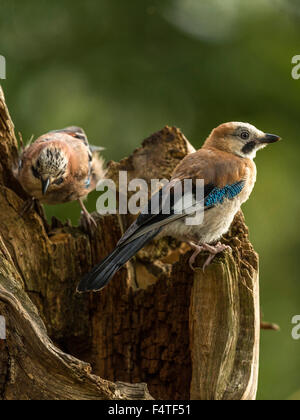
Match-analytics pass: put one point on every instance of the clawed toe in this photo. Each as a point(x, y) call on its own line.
point(88, 222)
point(198, 249)
point(91, 221)
point(191, 264)
point(208, 261)
point(222, 247)
point(213, 251)
point(27, 207)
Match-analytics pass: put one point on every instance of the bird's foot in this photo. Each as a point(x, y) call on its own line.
point(213, 251)
point(88, 222)
point(27, 206)
point(198, 249)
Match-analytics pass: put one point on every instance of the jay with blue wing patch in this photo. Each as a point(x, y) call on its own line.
point(225, 163)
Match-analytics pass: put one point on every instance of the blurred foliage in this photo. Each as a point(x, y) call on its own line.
point(124, 69)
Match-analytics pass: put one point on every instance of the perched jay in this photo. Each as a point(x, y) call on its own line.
point(61, 166)
point(225, 163)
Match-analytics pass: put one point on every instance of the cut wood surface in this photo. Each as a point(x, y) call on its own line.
point(156, 326)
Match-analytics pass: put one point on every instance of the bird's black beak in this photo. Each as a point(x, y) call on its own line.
point(269, 138)
point(45, 185)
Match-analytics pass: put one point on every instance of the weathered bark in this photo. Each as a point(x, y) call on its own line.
point(184, 334)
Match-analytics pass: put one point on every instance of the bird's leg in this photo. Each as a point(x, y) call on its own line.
point(27, 206)
point(198, 249)
point(88, 219)
point(32, 204)
point(213, 251)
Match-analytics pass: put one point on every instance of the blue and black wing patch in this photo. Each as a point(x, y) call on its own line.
point(218, 195)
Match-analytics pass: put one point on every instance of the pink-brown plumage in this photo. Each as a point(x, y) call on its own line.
point(59, 167)
point(214, 166)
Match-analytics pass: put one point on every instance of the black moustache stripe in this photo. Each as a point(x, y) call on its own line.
point(249, 147)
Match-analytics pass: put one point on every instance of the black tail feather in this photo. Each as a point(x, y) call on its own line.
point(105, 270)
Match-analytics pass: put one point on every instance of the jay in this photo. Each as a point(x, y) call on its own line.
point(225, 163)
point(59, 167)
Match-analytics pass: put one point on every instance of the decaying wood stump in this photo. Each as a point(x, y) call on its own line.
point(184, 334)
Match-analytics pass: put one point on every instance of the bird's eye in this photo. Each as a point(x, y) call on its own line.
point(59, 181)
point(245, 135)
point(35, 172)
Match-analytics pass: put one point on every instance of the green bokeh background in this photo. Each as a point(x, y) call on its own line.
point(124, 69)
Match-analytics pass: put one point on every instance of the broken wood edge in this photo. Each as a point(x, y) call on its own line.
point(225, 318)
point(58, 375)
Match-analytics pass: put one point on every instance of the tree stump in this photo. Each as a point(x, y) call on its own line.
point(157, 325)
